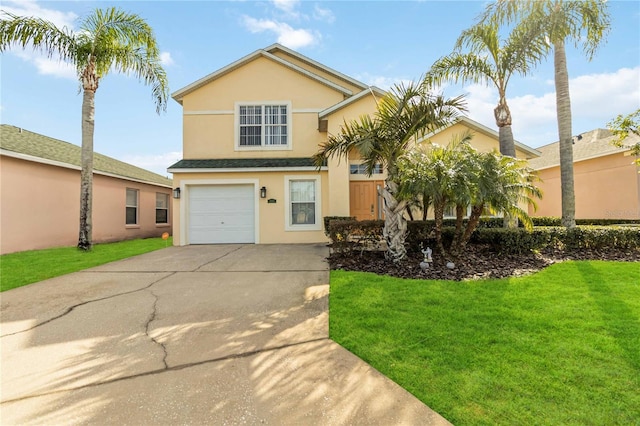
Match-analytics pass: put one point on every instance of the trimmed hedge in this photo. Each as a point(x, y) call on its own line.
point(556, 221)
point(351, 234)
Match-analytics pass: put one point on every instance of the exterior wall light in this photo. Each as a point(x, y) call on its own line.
point(263, 192)
point(176, 193)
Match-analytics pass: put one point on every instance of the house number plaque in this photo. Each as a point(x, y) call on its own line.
point(271, 201)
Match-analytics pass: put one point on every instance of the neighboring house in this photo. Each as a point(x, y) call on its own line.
point(606, 180)
point(40, 195)
point(249, 132)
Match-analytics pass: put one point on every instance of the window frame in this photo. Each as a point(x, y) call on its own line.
point(289, 226)
point(361, 169)
point(168, 200)
point(127, 206)
point(263, 124)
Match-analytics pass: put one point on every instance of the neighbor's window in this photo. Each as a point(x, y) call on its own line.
point(263, 125)
point(361, 169)
point(132, 206)
point(162, 208)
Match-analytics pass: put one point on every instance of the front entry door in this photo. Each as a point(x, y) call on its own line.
point(364, 201)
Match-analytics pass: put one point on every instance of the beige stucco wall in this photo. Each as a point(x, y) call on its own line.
point(480, 141)
point(607, 187)
point(208, 127)
point(318, 71)
point(339, 175)
point(40, 207)
point(271, 217)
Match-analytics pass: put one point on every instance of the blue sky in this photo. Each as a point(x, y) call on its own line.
point(379, 43)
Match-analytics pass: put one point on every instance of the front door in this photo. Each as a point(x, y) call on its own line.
point(364, 201)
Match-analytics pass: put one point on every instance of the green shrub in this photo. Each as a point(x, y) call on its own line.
point(518, 241)
point(327, 222)
point(556, 221)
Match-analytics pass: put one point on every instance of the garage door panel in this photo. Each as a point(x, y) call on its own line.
point(222, 214)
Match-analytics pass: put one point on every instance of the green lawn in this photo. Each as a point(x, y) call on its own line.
point(18, 269)
point(561, 347)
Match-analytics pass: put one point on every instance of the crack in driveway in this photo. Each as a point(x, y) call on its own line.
point(167, 369)
point(73, 307)
point(152, 318)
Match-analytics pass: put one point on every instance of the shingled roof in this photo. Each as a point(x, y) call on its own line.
point(592, 144)
point(245, 163)
point(24, 144)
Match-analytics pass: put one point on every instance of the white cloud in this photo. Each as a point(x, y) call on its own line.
point(381, 81)
point(166, 59)
point(155, 163)
point(321, 14)
point(287, 6)
point(595, 99)
point(31, 8)
point(287, 35)
point(44, 65)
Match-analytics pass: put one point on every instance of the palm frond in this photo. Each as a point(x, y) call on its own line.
point(38, 33)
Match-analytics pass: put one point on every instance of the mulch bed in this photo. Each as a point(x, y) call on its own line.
point(476, 263)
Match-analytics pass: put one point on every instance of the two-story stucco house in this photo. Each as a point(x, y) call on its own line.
point(249, 131)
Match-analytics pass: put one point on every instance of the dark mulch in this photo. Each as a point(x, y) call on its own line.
point(478, 262)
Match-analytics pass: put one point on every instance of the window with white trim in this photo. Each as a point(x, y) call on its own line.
point(162, 207)
point(132, 207)
point(302, 199)
point(263, 125)
point(450, 211)
point(361, 169)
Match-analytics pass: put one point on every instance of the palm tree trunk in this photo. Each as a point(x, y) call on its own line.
point(563, 109)
point(457, 235)
point(474, 220)
point(438, 216)
point(395, 224)
point(86, 175)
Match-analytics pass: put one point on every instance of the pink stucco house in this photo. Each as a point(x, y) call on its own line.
point(40, 195)
point(606, 178)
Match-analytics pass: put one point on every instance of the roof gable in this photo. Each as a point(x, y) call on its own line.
point(472, 124)
point(276, 47)
point(181, 93)
point(374, 91)
point(29, 145)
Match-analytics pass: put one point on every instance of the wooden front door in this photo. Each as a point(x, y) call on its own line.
point(364, 201)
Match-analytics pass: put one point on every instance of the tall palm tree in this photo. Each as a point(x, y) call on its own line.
point(586, 22)
point(106, 40)
point(490, 61)
point(406, 113)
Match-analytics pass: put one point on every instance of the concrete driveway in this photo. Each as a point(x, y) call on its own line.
point(223, 334)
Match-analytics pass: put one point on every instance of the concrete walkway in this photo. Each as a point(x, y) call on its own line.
point(225, 334)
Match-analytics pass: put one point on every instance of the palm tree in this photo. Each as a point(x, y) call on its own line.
point(403, 115)
point(106, 40)
point(490, 62)
point(586, 22)
point(501, 184)
point(458, 174)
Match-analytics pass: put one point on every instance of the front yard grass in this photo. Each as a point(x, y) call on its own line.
point(561, 346)
point(18, 269)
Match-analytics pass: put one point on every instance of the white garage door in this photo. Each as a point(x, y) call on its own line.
point(221, 214)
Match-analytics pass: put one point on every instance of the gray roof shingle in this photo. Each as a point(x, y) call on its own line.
point(36, 145)
point(592, 144)
point(243, 163)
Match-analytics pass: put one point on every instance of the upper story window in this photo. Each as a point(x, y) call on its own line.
point(263, 125)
